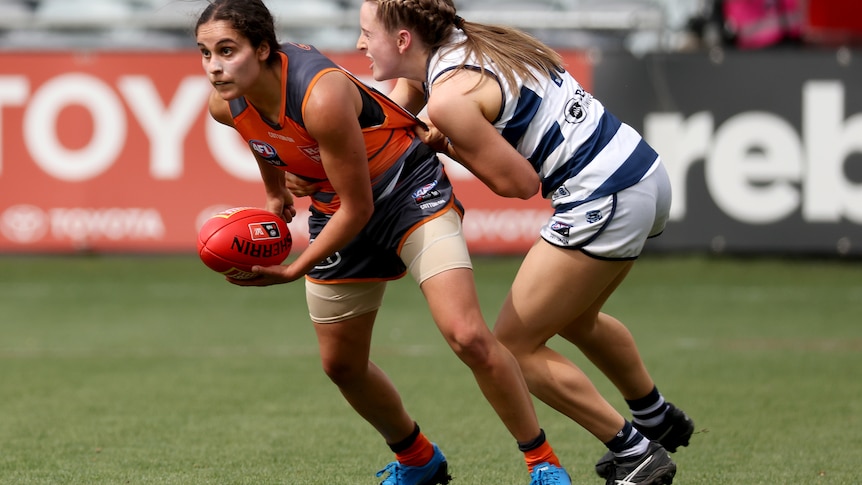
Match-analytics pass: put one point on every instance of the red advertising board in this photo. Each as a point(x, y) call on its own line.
point(115, 152)
point(835, 20)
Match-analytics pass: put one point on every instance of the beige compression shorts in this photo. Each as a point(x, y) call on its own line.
point(434, 247)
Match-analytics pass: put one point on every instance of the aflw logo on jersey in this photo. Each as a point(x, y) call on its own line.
point(265, 151)
point(561, 228)
point(428, 191)
point(428, 196)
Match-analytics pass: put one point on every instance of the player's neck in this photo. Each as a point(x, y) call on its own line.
point(268, 98)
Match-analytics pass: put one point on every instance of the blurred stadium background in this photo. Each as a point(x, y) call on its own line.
point(331, 24)
point(754, 105)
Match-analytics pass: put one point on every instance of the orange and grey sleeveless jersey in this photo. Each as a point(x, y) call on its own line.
point(580, 151)
point(387, 128)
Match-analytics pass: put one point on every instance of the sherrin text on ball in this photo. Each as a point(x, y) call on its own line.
point(231, 242)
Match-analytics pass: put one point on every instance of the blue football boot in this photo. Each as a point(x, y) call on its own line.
point(435, 472)
point(548, 474)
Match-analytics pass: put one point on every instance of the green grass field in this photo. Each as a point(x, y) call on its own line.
point(153, 370)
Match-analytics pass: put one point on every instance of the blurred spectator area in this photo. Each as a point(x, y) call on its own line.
point(757, 24)
point(328, 24)
point(637, 25)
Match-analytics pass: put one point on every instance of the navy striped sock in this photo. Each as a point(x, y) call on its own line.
point(628, 442)
point(648, 411)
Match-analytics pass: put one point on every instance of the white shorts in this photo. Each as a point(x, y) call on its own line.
point(615, 227)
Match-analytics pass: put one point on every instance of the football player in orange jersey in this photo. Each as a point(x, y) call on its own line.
point(383, 207)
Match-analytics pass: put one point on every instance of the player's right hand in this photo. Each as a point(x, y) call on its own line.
point(431, 136)
point(270, 275)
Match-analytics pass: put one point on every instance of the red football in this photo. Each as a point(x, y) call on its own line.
point(234, 240)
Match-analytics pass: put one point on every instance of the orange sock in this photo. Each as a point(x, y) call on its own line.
point(542, 454)
point(417, 454)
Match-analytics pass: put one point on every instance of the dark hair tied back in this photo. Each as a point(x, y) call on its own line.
point(250, 18)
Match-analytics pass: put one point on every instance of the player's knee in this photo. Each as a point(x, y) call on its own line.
point(472, 344)
point(342, 371)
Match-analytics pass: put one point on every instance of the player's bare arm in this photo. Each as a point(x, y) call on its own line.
point(409, 94)
point(331, 118)
point(476, 143)
point(279, 200)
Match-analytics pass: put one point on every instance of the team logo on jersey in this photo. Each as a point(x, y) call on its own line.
point(594, 216)
point(312, 152)
point(561, 228)
point(561, 192)
point(329, 262)
point(576, 108)
point(304, 47)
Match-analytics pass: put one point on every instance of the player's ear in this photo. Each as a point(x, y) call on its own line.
point(404, 40)
point(263, 51)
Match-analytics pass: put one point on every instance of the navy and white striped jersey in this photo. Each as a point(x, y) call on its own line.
point(580, 150)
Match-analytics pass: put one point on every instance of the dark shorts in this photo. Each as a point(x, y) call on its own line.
point(422, 190)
